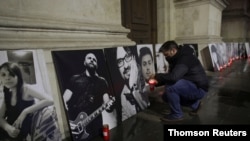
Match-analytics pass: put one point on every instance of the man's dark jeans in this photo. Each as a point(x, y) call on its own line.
point(182, 93)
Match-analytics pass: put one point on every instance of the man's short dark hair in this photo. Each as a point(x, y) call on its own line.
point(168, 45)
point(144, 51)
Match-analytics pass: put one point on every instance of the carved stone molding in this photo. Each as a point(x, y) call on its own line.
point(18, 38)
point(61, 24)
point(220, 4)
point(206, 39)
point(32, 32)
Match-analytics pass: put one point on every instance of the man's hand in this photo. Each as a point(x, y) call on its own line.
point(152, 76)
point(110, 101)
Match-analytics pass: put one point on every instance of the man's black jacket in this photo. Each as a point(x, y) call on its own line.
point(184, 65)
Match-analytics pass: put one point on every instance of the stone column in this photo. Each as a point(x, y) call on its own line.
point(198, 21)
point(235, 21)
point(61, 25)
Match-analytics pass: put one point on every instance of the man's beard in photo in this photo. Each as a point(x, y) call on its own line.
point(91, 67)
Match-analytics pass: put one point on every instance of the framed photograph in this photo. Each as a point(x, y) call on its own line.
point(86, 91)
point(146, 60)
point(25, 84)
point(162, 64)
point(127, 79)
point(247, 49)
point(216, 57)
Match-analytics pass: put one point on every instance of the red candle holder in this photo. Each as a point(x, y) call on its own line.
point(106, 132)
point(152, 83)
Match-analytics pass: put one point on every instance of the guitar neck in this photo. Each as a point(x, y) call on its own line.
point(96, 113)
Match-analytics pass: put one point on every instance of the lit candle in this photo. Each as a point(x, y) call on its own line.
point(152, 83)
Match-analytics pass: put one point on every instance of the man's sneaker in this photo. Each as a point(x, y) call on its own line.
point(195, 112)
point(169, 118)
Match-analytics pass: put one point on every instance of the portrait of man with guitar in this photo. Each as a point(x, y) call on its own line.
point(85, 98)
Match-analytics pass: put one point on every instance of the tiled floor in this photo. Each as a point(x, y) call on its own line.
point(227, 102)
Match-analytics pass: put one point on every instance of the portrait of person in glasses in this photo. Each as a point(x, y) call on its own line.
point(133, 99)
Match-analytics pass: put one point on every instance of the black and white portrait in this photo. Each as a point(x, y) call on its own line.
point(242, 50)
point(127, 79)
point(247, 49)
point(146, 60)
point(216, 57)
point(87, 92)
point(162, 64)
point(27, 108)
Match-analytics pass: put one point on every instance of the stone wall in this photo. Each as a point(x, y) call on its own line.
point(61, 25)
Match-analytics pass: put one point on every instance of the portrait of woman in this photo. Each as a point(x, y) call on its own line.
point(216, 57)
point(24, 104)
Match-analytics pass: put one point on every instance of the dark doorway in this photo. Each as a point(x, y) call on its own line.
point(141, 18)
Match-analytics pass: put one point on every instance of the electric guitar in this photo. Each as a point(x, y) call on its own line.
point(78, 126)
